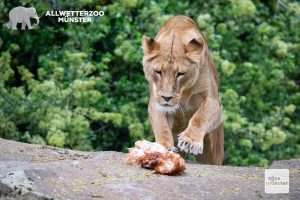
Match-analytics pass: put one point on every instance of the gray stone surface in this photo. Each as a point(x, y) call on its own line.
point(30, 171)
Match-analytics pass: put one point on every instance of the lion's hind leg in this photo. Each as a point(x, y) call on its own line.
point(213, 152)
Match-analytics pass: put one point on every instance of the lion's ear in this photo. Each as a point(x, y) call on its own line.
point(196, 44)
point(193, 49)
point(149, 45)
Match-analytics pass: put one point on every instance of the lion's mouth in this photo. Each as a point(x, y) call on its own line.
point(166, 105)
point(166, 108)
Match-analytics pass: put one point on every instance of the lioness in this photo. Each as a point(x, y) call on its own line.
point(184, 104)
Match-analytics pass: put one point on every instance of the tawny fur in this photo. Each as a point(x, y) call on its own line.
point(155, 156)
point(178, 64)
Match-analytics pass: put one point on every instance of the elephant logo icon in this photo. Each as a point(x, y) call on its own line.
point(22, 15)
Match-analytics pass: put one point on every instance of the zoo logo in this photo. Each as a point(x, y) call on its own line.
point(22, 15)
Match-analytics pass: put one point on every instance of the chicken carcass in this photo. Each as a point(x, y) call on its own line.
point(152, 155)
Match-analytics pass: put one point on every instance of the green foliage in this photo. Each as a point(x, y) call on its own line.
point(81, 86)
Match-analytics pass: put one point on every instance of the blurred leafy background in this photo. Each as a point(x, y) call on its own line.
point(81, 86)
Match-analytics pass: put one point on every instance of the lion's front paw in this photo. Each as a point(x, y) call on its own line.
point(190, 142)
point(174, 149)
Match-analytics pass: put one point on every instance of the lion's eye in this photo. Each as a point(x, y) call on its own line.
point(158, 72)
point(179, 74)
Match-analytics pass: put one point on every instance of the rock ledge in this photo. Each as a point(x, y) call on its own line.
point(30, 171)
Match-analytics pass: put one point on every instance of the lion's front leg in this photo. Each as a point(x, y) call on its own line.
point(207, 118)
point(191, 140)
point(160, 127)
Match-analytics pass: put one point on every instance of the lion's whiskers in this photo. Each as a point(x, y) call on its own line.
point(181, 110)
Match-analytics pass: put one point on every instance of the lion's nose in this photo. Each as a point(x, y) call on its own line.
point(166, 98)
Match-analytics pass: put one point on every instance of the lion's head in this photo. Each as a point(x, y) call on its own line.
point(172, 64)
